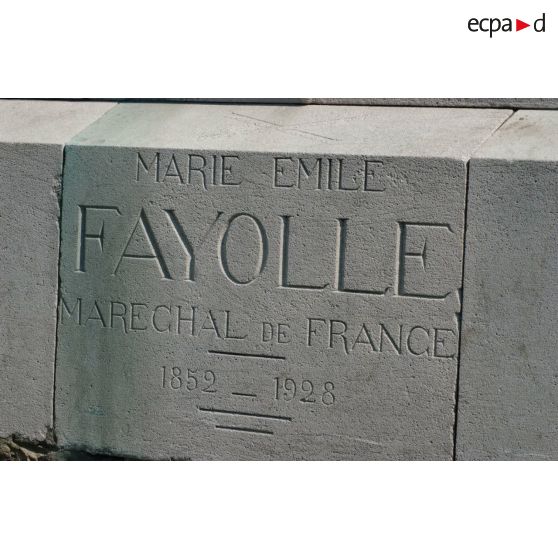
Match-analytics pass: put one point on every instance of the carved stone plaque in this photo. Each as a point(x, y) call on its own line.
point(264, 282)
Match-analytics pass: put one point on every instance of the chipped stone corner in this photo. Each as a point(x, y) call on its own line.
point(17, 448)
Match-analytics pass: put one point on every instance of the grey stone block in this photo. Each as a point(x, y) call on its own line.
point(508, 395)
point(264, 282)
point(32, 135)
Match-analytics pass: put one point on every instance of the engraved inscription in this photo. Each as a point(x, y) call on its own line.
point(189, 169)
point(145, 246)
point(260, 305)
point(312, 332)
point(317, 173)
point(204, 171)
point(303, 391)
point(191, 380)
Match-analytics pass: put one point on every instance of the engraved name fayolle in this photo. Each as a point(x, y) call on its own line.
point(405, 234)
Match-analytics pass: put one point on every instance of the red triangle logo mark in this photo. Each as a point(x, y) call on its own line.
point(519, 25)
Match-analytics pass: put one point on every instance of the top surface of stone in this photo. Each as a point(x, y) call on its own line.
point(50, 122)
point(472, 102)
point(455, 102)
point(528, 135)
point(420, 132)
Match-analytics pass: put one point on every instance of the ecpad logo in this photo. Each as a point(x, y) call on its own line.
point(493, 25)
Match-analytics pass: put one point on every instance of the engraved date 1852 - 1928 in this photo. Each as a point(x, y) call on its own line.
point(284, 389)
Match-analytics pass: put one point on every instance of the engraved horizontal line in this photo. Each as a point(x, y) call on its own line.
point(240, 394)
point(284, 128)
point(243, 414)
point(247, 355)
point(242, 429)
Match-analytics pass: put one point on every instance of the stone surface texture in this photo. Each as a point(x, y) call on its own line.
point(253, 282)
point(32, 136)
point(508, 396)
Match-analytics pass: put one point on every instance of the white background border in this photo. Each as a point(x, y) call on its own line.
point(289, 49)
point(278, 509)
